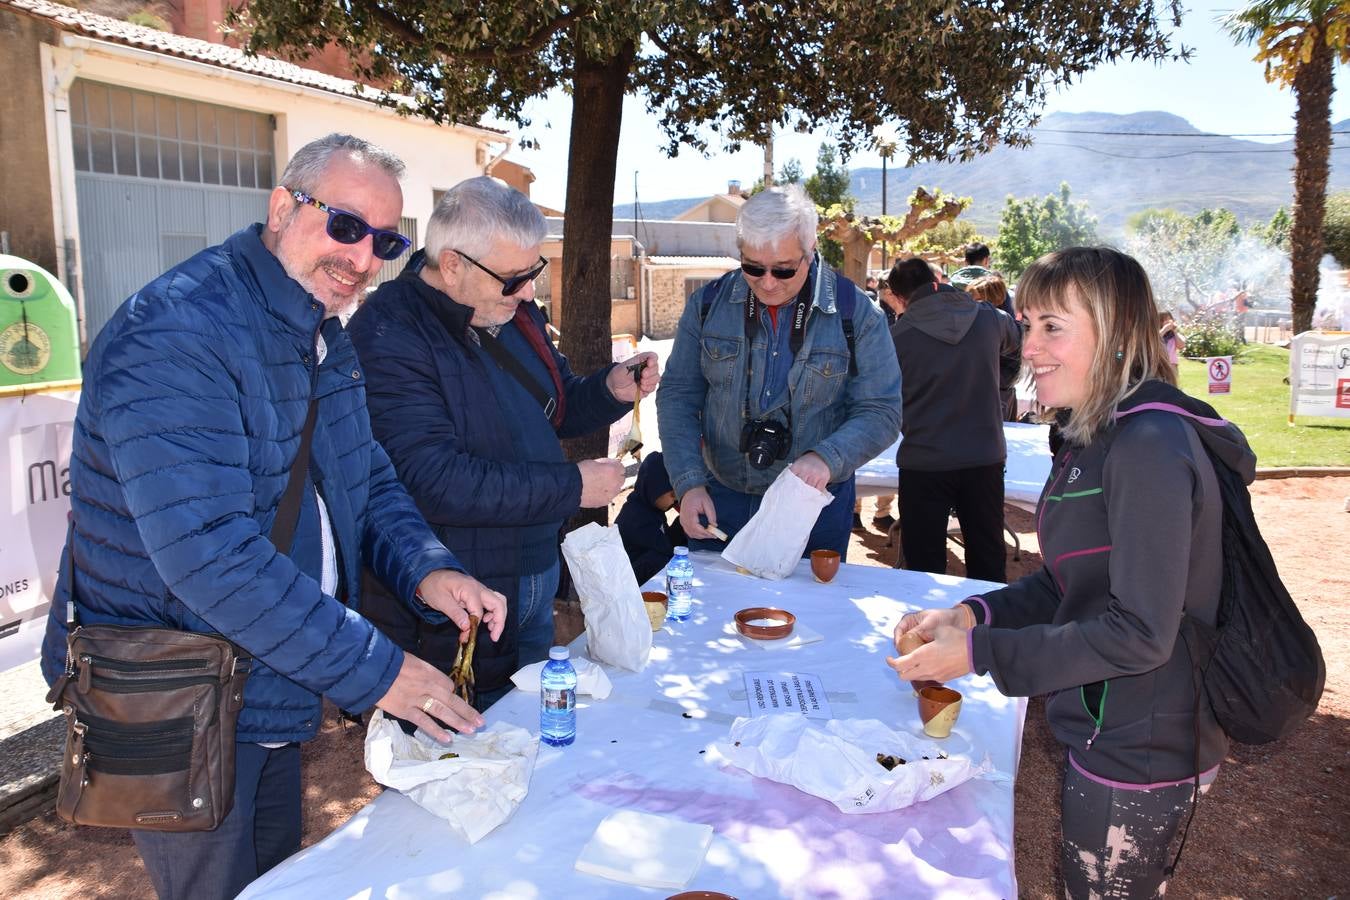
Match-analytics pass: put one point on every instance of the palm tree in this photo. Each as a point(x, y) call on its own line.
point(1299, 41)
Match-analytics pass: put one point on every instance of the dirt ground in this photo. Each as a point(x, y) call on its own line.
point(1276, 824)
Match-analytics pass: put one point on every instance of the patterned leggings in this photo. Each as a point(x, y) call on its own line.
point(1117, 842)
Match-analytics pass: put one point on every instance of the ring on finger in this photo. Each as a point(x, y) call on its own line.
point(427, 704)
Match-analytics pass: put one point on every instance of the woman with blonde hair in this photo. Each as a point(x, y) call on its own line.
point(1130, 530)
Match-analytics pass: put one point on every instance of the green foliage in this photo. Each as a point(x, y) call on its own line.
point(1275, 233)
point(1030, 228)
point(1211, 332)
point(828, 186)
point(789, 173)
point(1259, 405)
point(949, 238)
point(1336, 228)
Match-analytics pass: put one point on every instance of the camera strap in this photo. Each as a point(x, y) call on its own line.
point(801, 310)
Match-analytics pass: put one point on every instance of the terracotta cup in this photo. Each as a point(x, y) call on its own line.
point(655, 602)
point(824, 565)
point(909, 642)
point(938, 708)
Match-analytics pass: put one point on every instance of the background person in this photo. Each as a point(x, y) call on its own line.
point(648, 537)
point(762, 377)
point(195, 396)
point(470, 399)
point(954, 450)
point(1130, 528)
point(992, 289)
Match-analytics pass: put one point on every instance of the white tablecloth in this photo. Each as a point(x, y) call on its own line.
point(1028, 466)
point(643, 749)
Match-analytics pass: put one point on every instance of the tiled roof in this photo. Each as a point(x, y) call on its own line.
point(106, 28)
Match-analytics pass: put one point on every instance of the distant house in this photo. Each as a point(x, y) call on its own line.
point(654, 267)
point(717, 208)
point(127, 149)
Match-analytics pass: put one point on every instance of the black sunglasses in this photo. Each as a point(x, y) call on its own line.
point(349, 228)
point(515, 282)
point(779, 272)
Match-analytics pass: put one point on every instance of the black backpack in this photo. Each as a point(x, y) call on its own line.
point(1260, 665)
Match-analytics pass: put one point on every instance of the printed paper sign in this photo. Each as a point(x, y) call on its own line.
point(1220, 374)
point(783, 692)
point(1319, 374)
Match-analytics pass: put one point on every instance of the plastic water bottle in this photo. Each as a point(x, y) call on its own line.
point(679, 586)
point(558, 700)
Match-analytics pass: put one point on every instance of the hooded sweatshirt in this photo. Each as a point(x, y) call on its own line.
point(1130, 530)
point(949, 347)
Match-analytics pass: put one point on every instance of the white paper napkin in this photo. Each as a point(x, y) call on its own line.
point(801, 634)
point(591, 678)
point(643, 849)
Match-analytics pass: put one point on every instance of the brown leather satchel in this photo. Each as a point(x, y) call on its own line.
point(151, 712)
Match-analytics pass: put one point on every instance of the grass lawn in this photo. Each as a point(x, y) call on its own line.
point(1259, 405)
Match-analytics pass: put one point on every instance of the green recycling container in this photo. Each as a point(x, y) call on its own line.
point(39, 340)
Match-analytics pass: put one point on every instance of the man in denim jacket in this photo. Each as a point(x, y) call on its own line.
point(762, 376)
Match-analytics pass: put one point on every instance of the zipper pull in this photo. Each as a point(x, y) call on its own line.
point(1095, 731)
point(59, 688)
point(87, 665)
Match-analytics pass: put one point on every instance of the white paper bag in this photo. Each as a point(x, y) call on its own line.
point(475, 792)
point(618, 632)
point(839, 762)
point(771, 543)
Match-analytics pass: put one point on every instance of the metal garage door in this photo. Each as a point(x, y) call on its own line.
point(157, 179)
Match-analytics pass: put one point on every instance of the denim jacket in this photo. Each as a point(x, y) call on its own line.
point(845, 419)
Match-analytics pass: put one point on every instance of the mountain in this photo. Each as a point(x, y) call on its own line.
point(1117, 164)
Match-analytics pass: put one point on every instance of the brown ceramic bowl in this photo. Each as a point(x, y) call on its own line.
point(655, 603)
point(824, 565)
point(701, 895)
point(747, 623)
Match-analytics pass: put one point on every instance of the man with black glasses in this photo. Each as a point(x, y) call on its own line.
point(784, 363)
point(199, 396)
point(470, 398)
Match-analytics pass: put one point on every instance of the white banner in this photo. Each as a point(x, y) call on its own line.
point(1319, 374)
point(35, 433)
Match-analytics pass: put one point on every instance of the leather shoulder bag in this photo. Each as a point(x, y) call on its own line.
point(151, 712)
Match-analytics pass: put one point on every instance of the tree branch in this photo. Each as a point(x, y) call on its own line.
point(532, 43)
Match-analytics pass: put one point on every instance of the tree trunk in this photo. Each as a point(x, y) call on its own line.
point(1312, 154)
point(598, 88)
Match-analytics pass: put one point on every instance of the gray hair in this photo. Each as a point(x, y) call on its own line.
point(309, 162)
point(476, 213)
point(775, 213)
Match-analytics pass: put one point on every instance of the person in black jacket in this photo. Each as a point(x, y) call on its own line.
point(470, 398)
point(647, 537)
point(953, 450)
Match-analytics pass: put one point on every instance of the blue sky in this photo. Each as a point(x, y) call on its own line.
point(1220, 90)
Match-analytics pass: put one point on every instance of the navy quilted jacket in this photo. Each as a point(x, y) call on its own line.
point(195, 395)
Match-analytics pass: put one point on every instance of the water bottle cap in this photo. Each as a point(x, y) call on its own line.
point(557, 653)
point(681, 551)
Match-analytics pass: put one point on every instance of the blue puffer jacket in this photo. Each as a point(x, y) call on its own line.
point(195, 396)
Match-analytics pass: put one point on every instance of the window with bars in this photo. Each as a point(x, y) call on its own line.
point(693, 284)
point(121, 131)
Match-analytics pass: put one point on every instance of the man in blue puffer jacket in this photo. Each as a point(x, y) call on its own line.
point(195, 396)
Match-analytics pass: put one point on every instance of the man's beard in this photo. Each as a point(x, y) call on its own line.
point(313, 278)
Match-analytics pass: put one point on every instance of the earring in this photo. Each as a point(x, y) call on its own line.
point(1120, 354)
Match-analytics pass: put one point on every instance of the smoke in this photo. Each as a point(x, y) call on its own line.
point(1333, 297)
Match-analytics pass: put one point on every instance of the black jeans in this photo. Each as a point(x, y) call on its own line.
point(976, 494)
point(261, 830)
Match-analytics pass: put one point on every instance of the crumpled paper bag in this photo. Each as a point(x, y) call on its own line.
point(839, 763)
point(475, 792)
point(771, 543)
point(591, 679)
point(618, 632)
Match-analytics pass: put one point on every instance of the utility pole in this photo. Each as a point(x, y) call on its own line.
point(886, 144)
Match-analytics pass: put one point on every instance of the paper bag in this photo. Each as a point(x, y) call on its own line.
point(591, 679)
point(771, 543)
point(839, 762)
point(618, 632)
point(475, 792)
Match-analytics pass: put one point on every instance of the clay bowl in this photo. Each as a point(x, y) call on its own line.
point(701, 895)
point(938, 708)
point(655, 603)
point(748, 623)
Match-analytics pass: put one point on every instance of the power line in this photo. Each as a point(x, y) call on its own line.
point(1179, 134)
point(1166, 155)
